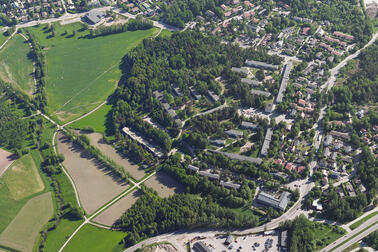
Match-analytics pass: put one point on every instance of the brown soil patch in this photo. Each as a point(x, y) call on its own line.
point(6, 159)
point(108, 150)
point(110, 215)
point(95, 184)
point(164, 184)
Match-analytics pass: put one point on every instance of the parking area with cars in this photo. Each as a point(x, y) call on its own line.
point(243, 243)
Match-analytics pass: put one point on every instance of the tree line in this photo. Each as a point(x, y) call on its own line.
point(38, 56)
point(132, 25)
point(151, 215)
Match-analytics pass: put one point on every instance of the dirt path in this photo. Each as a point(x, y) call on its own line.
point(6, 160)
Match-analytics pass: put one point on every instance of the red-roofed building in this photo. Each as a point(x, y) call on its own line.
point(236, 2)
point(302, 102)
point(217, 29)
point(290, 166)
point(224, 7)
point(278, 161)
point(300, 168)
point(227, 14)
point(305, 30)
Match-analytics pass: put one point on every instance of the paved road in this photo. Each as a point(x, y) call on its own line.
point(335, 71)
point(352, 233)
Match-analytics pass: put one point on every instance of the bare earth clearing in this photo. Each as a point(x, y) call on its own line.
point(108, 150)
point(110, 215)
point(6, 159)
point(164, 184)
point(95, 184)
point(24, 228)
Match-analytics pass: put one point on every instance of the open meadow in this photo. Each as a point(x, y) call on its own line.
point(164, 184)
point(18, 185)
point(98, 120)
point(6, 160)
point(23, 178)
point(83, 71)
point(23, 231)
point(97, 140)
point(94, 183)
point(94, 239)
point(111, 214)
point(15, 66)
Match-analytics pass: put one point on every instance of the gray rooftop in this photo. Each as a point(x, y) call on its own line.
point(251, 82)
point(239, 157)
point(259, 92)
point(249, 125)
point(258, 64)
point(240, 70)
point(230, 185)
point(234, 133)
point(208, 174)
point(269, 200)
point(265, 146)
point(193, 168)
point(284, 81)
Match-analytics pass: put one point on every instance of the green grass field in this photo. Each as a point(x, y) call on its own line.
point(56, 238)
point(15, 66)
point(23, 231)
point(2, 38)
point(93, 239)
point(82, 72)
point(9, 207)
point(358, 223)
point(97, 120)
point(326, 234)
point(22, 178)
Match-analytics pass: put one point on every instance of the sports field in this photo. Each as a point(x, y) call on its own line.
point(15, 66)
point(95, 185)
point(82, 72)
point(23, 231)
point(94, 239)
point(23, 178)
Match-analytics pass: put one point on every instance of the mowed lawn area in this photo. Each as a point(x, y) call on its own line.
point(23, 178)
point(94, 239)
point(82, 72)
point(23, 231)
point(15, 66)
point(17, 185)
point(97, 120)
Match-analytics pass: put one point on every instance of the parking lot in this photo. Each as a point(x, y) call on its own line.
point(244, 243)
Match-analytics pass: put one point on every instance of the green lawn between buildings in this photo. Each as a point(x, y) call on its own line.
point(82, 72)
point(93, 239)
point(15, 66)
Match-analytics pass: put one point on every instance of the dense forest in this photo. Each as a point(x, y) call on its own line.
point(13, 130)
point(151, 215)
